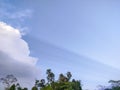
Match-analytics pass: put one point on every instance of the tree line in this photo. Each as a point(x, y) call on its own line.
point(64, 82)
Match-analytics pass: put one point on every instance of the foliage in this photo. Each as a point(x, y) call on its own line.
point(24, 89)
point(34, 88)
point(12, 87)
point(69, 75)
point(8, 80)
point(115, 85)
point(50, 76)
point(17, 87)
point(63, 82)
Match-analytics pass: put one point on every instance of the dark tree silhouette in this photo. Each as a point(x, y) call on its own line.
point(8, 80)
point(42, 83)
point(50, 76)
point(69, 75)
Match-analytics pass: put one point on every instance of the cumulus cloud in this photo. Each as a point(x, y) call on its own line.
point(14, 54)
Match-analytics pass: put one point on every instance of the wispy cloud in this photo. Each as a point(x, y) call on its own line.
point(8, 11)
point(19, 15)
point(82, 67)
point(15, 16)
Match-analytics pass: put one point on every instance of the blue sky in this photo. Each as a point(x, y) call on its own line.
point(70, 35)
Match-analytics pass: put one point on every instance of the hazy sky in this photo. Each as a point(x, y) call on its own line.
point(81, 36)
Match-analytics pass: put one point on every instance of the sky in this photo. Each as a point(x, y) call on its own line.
point(81, 36)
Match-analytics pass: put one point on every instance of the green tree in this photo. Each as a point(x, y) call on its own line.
point(50, 76)
point(34, 88)
point(62, 78)
point(8, 81)
point(13, 87)
point(115, 84)
point(42, 83)
point(69, 75)
point(25, 89)
point(63, 82)
point(18, 86)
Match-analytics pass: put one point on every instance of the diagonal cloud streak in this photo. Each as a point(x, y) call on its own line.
point(90, 71)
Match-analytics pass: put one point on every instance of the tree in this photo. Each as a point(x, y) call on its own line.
point(42, 83)
point(12, 87)
point(69, 75)
point(34, 88)
point(115, 84)
point(8, 81)
point(50, 76)
point(62, 78)
point(63, 82)
point(24, 89)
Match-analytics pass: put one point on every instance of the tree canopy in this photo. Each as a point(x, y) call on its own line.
point(63, 82)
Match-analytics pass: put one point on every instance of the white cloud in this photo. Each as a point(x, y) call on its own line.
point(14, 45)
point(14, 54)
